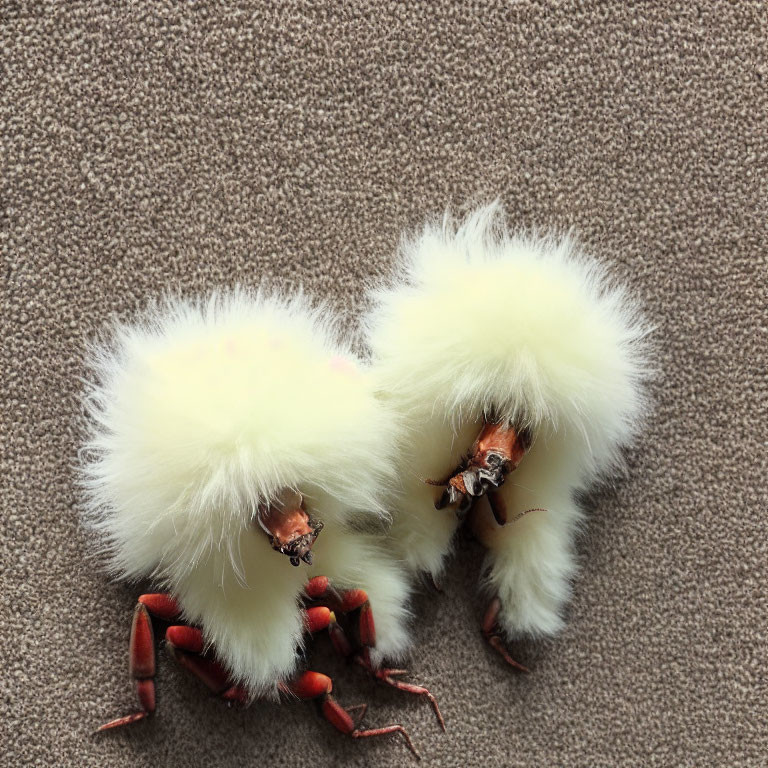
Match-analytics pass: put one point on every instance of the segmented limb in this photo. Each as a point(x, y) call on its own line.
point(141, 653)
point(490, 632)
point(387, 676)
point(313, 685)
point(187, 647)
point(355, 604)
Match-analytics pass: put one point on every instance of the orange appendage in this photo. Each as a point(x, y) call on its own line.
point(337, 716)
point(339, 639)
point(352, 599)
point(142, 645)
point(310, 685)
point(317, 587)
point(209, 671)
point(318, 618)
point(162, 605)
point(491, 615)
point(489, 630)
point(146, 692)
point(367, 626)
point(121, 721)
point(185, 638)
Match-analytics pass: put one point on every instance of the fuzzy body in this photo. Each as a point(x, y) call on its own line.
point(199, 415)
point(530, 332)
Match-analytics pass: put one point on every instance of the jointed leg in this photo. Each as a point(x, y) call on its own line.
point(141, 654)
point(387, 676)
point(313, 685)
point(186, 646)
point(354, 602)
point(490, 627)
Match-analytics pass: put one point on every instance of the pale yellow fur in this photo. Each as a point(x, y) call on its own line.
point(480, 321)
point(199, 413)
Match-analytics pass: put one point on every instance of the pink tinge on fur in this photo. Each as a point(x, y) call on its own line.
point(343, 365)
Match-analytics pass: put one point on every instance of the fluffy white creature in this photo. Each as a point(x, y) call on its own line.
point(481, 323)
point(200, 416)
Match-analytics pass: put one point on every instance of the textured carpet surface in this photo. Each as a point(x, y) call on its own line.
point(156, 145)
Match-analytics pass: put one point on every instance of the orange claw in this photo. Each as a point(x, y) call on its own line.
point(127, 720)
point(351, 601)
point(367, 626)
point(187, 646)
point(141, 645)
point(353, 598)
point(387, 676)
point(310, 685)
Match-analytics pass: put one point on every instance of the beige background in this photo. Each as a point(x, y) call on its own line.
point(185, 145)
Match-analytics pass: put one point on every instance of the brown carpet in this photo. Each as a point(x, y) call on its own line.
point(146, 146)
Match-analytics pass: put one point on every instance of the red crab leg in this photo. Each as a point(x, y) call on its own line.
point(141, 653)
point(351, 600)
point(489, 631)
point(141, 663)
point(387, 676)
point(319, 588)
point(313, 685)
point(319, 618)
point(161, 605)
point(186, 645)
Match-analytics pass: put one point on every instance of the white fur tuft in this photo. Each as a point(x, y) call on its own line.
point(528, 330)
point(200, 413)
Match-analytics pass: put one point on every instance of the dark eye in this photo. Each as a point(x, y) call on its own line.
point(493, 460)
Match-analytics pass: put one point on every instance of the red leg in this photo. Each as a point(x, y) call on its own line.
point(161, 605)
point(141, 654)
point(387, 676)
point(313, 685)
point(319, 618)
point(489, 631)
point(346, 602)
point(356, 600)
point(186, 646)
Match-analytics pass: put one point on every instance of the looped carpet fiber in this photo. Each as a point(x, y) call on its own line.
point(182, 146)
